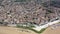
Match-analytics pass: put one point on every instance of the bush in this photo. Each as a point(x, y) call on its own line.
point(1, 23)
point(4, 23)
point(20, 1)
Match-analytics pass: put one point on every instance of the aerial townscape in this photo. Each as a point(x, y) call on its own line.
point(29, 16)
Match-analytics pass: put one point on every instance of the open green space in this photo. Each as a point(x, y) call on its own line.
point(31, 28)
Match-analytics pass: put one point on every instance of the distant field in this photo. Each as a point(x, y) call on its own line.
point(13, 30)
point(51, 31)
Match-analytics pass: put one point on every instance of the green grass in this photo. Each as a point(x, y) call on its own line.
point(30, 28)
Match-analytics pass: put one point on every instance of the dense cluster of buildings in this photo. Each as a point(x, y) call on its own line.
point(26, 12)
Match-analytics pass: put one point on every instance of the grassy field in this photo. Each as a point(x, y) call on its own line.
point(13, 30)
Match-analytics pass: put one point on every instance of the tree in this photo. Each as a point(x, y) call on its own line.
point(20, 1)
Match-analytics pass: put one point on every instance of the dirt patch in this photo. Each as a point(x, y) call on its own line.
point(52, 31)
point(13, 30)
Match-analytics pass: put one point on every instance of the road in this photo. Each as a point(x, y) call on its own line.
point(38, 28)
